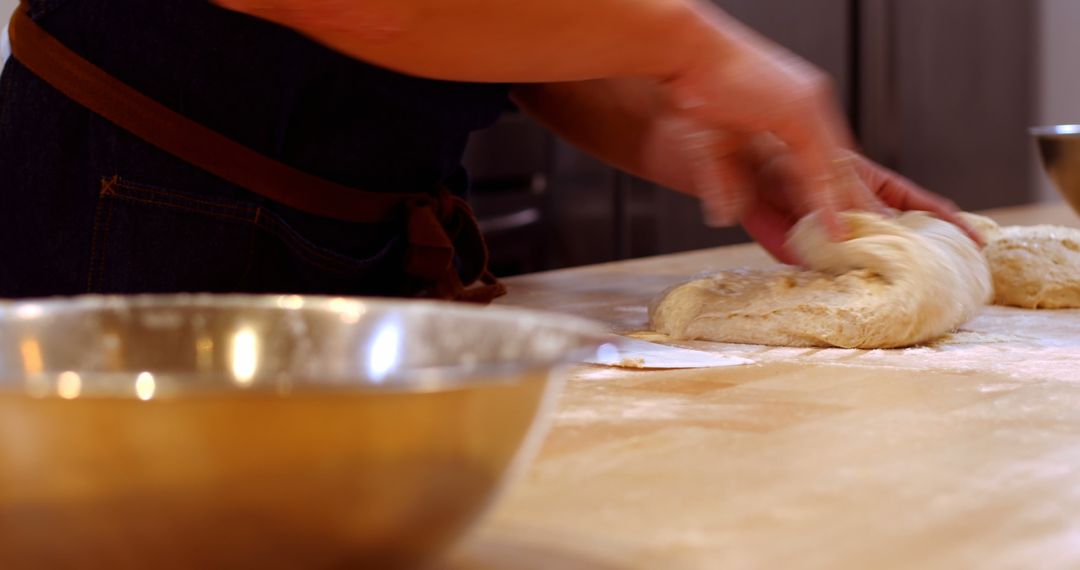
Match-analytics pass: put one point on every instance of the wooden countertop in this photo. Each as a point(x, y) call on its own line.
point(962, 454)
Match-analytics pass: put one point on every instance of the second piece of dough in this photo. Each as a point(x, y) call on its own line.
point(896, 282)
point(1035, 267)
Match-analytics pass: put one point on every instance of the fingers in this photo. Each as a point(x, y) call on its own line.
point(769, 227)
point(817, 141)
point(857, 191)
point(841, 190)
point(820, 160)
point(757, 89)
point(817, 192)
point(824, 203)
point(898, 192)
point(733, 184)
point(719, 176)
point(959, 222)
point(785, 190)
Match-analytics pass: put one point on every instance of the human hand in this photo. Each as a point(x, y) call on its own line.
point(760, 170)
point(764, 144)
point(772, 213)
point(747, 87)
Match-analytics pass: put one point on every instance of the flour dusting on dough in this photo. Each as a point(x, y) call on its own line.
point(897, 282)
point(1034, 267)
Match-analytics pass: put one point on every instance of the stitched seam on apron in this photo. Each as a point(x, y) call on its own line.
point(325, 260)
point(329, 260)
point(311, 254)
point(95, 236)
point(174, 206)
point(98, 271)
point(249, 253)
point(243, 211)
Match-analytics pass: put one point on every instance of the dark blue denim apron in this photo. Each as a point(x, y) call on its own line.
point(86, 206)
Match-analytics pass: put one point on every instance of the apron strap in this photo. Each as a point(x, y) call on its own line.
point(440, 228)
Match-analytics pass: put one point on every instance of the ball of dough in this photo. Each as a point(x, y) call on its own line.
point(896, 282)
point(1036, 267)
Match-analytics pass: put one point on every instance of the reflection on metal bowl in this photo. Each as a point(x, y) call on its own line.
point(1059, 149)
point(240, 431)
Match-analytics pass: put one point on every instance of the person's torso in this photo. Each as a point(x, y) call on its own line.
point(86, 207)
point(280, 93)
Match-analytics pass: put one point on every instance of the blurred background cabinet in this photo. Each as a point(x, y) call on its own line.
point(939, 90)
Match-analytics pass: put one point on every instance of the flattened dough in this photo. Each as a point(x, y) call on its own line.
point(896, 282)
point(1035, 267)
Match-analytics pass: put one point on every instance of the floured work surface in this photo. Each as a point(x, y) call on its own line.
point(962, 454)
point(1027, 344)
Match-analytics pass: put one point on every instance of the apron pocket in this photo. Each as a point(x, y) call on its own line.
point(360, 260)
point(148, 239)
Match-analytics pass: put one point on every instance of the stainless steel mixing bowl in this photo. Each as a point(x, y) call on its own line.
point(262, 431)
point(1059, 149)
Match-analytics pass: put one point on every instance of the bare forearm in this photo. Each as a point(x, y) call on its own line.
point(506, 40)
point(615, 120)
point(721, 84)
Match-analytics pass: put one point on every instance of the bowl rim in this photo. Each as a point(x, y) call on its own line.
point(1062, 130)
point(419, 379)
